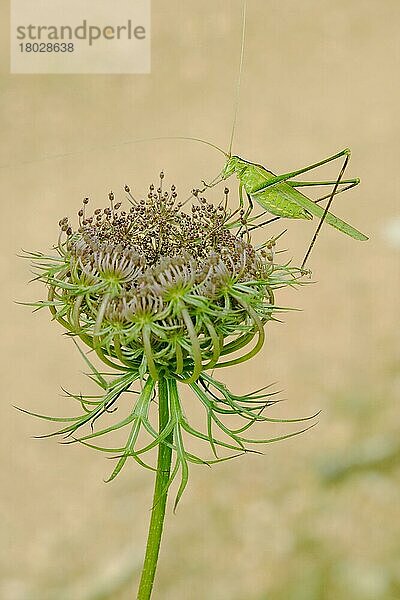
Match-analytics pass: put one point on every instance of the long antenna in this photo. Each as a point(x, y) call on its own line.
point(116, 145)
point(184, 137)
point(239, 79)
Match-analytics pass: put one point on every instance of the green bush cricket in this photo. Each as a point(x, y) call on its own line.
point(278, 194)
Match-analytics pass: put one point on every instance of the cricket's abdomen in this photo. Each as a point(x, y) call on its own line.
point(279, 199)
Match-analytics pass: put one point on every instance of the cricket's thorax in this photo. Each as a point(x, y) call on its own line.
point(231, 166)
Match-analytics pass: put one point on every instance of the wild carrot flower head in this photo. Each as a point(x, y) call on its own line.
point(164, 289)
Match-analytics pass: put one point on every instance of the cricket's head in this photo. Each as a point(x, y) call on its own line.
point(232, 165)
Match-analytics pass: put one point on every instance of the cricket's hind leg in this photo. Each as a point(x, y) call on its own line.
point(343, 186)
point(346, 183)
point(287, 176)
point(328, 204)
point(317, 201)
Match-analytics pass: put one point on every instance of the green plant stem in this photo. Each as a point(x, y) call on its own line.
point(160, 493)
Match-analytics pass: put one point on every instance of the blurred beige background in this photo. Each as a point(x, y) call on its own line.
point(317, 517)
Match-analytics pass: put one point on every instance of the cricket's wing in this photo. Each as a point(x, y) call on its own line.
point(283, 200)
point(314, 209)
point(278, 199)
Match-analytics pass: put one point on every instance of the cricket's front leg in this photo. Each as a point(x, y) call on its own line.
point(218, 179)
